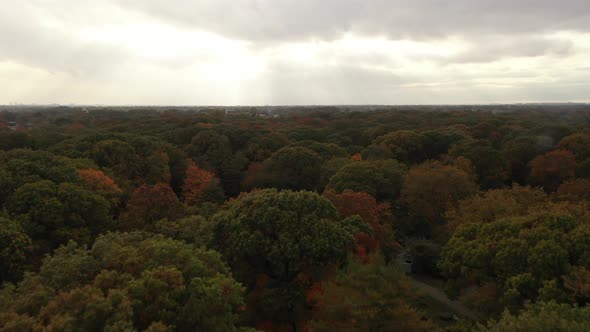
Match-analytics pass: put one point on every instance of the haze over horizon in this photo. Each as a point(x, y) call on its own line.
point(286, 52)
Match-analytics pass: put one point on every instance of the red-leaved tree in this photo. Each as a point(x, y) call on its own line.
point(552, 168)
point(149, 204)
point(200, 186)
point(350, 203)
point(95, 180)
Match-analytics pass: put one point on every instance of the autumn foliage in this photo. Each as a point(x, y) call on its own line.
point(350, 203)
point(149, 204)
point(309, 219)
point(574, 190)
point(375, 214)
point(432, 188)
point(553, 168)
point(197, 184)
point(96, 180)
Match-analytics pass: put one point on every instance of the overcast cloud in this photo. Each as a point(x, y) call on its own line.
point(238, 52)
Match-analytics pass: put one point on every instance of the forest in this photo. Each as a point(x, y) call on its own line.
point(295, 219)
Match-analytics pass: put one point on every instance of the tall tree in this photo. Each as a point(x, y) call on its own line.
point(432, 188)
point(127, 281)
point(368, 297)
point(285, 238)
point(526, 258)
point(374, 214)
point(380, 178)
point(405, 145)
point(578, 144)
point(497, 203)
point(201, 186)
point(577, 190)
point(552, 168)
point(52, 214)
point(149, 204)
point(542, 317)
point(491, 167)
point(16, 249)
point(294, 168)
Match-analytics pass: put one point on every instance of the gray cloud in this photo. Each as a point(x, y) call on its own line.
point(43, 34)
point(494, 48)
point(25, 40)
point(495, 28)
point(340, 83)
point(418, 19)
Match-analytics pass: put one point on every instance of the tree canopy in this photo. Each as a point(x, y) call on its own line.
point(285, 237)
point(126, 281)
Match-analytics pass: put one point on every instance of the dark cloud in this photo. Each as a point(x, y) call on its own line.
point(265, 20)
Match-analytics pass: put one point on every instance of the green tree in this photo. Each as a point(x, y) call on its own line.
point(210, 148)
point(325, 150)
point(285, 236)
point(519, 152)
point(381, 179)
point(491, 167)
point(15, 250)
point(118, 156)
point(432, 188)
point(262, 147)
point(14, 140)
point(496, 204)
point(438, 142)
point(295, 168)
point(126, 281)
point(405, 145)
point(54, 213)
point(21, 166)
point(520, 255)
point(542, 317)
point(368, 297)
point(578, 143)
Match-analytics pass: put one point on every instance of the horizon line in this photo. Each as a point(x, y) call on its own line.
point(290, 105)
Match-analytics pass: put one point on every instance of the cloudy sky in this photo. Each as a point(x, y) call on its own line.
point(259, 52)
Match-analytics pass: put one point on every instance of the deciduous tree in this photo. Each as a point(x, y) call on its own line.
point(521, 255)
point(405, 145)
point(54, 214)
point(577, 190)
point(295, 168)
point(578, 144)
point(201, 186)
point(127, 281)
point(496, 204)
point(282, 235)
point(374, 214)
point(367, 297)
point(380, 179)
point(16, 249)
point(149, 204)
point(542, 317)
point(432, 188)
point(552, 168)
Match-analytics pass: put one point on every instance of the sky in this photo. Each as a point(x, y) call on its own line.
point(294, 52)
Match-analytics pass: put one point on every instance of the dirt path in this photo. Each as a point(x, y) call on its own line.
point(441, 297)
